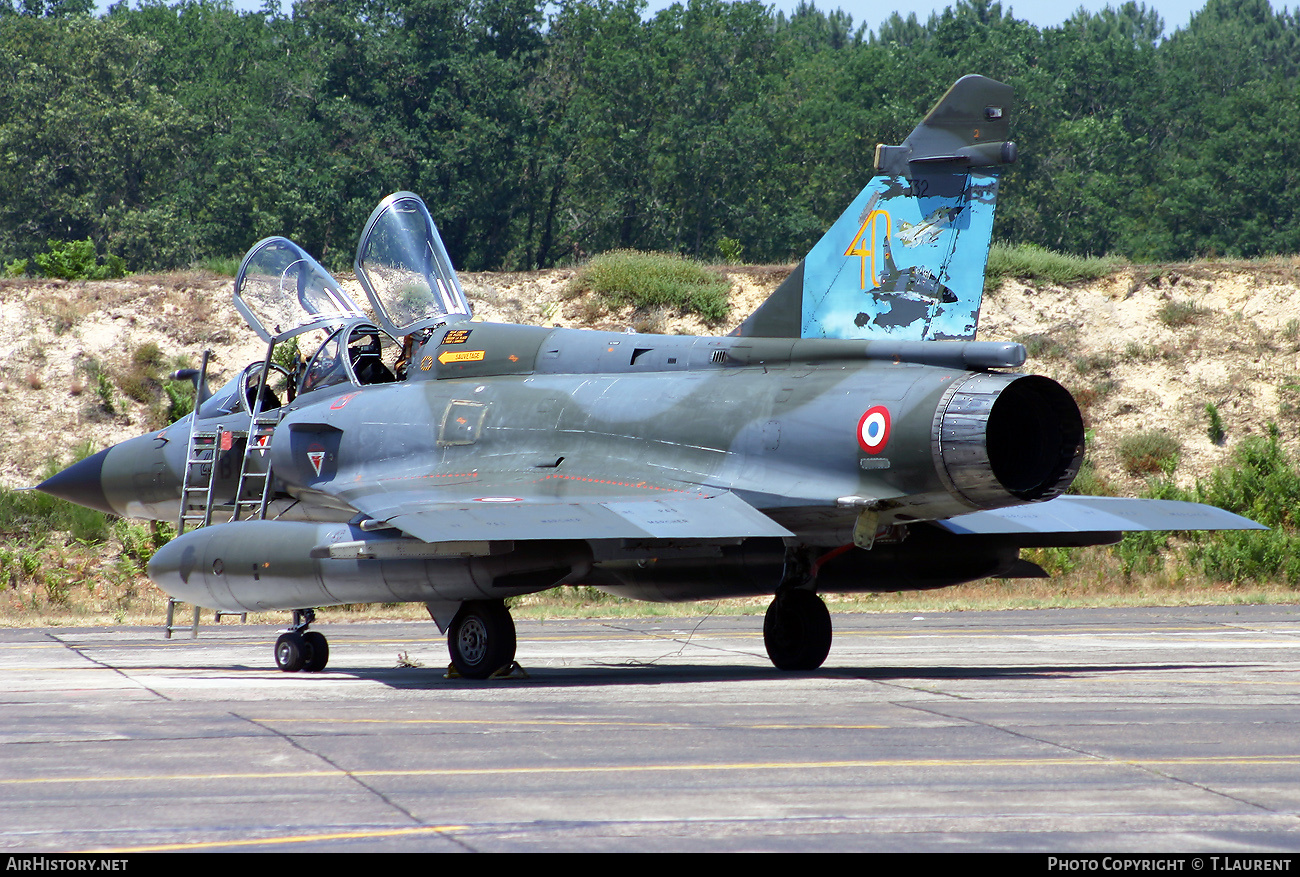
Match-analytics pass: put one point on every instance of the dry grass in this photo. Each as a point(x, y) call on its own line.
point(1098, 580)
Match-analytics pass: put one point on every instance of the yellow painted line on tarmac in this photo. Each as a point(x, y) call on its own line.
point(1238, 761)
point(290, 839)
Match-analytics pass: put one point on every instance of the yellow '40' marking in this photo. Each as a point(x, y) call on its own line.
point(864, 245)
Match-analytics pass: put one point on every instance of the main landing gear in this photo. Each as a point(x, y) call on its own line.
point(797, 630)
point(481, 638)
point(301, 649)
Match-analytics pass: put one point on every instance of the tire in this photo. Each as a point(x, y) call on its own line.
point(797, 631)
point(291, 652)
point(318, 651)
point(481, 638)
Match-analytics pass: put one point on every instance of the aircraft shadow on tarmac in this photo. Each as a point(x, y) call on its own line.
point(648, 673)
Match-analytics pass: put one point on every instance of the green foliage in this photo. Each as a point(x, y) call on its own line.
point(286, 355)
point(1054, 560)
point(541, 133)
point(647, 280)
point(1216, 430)
point(227, 266)
point(76, 260)
point(31, 516)
point(1027, 261)
point(1262, 483)
point(139, 379)
point(1150, 452)
point(180, 399)
point(102, 384)
point(16, 268)
point(46, 8)
point(731, 250)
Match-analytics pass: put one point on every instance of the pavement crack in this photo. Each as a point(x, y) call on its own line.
point(292, 741)
point(81, 653)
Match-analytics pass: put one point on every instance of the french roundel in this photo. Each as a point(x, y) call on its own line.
point(873, 430)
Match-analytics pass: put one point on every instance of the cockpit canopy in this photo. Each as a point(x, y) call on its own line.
point(405, 270)
point(282, 291)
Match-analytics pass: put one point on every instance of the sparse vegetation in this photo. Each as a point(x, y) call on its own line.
point(1216, 430)
point(650, 280)
point(1032, 262)
point(1291, 334)
point(1040, 346)
point(1180, 313)
point(1149, 452)
point(1094, 362)
point(102, 384)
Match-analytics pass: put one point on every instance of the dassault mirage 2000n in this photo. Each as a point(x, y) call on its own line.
point(850, 435)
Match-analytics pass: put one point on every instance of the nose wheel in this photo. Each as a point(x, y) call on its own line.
point(301, 649)
point(481, 638)
point(797, 630)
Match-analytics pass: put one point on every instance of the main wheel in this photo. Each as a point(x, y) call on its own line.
point(481, 638)
point(797, 631)
point(319, 651)
point(292, 652)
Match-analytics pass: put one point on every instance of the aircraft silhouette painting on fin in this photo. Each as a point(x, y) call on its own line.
point(407, 453)
point(906, 260)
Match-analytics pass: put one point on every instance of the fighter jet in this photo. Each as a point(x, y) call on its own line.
point(417, 455)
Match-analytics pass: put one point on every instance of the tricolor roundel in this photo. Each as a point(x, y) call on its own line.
point(873, 429)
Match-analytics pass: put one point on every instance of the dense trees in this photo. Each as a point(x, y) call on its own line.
point(542, 132)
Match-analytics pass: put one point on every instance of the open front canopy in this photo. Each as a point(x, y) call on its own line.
point(405, 269)
point(281, 291)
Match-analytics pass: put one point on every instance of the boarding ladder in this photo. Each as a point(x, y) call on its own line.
point(252, 491)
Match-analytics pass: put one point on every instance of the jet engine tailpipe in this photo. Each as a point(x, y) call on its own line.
point(1003, 439)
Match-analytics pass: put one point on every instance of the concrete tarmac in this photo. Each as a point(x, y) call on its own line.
point(1172, 730)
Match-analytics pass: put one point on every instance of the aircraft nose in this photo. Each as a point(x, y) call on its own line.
point(82, 483)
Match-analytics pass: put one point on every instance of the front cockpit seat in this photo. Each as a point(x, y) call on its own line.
point(365, 350)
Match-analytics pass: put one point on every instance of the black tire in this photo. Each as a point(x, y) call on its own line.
point(319, 652)
point(797, 631)
point(291, 652)
point(481, 638)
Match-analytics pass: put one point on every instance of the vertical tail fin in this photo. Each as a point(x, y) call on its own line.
point(906, 260)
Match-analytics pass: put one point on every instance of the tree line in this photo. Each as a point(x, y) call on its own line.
point(540, 133)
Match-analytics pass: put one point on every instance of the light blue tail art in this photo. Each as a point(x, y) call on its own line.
point(906, 260)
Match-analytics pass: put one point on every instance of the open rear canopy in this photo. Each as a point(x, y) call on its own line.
point(405, 270)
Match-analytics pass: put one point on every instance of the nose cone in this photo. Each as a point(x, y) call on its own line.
point(133, 479)
point(82, 483)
